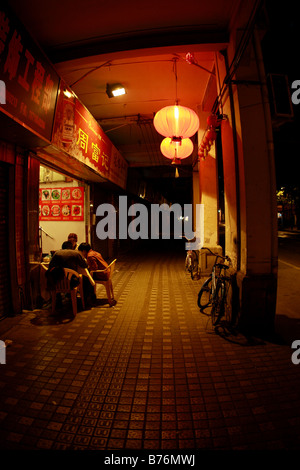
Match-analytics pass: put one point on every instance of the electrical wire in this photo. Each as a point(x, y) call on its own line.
point(90, 71)
point(247, 34)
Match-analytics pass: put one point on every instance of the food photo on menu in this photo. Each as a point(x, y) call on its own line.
point(45, 210)
point(76, 193)
point(76, 210)
point(55, 194)
point(45, 194)
point(65, 194)
point(66, 210)
point(55, 210)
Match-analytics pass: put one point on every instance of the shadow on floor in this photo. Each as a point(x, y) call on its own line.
point(62, 315)
point(288, 328)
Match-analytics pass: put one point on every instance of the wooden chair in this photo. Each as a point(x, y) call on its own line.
point(64, 286)
point(107, 284)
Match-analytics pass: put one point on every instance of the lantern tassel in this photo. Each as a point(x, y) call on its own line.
point(176, 173)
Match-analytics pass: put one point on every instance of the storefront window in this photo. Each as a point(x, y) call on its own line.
point(62, 209)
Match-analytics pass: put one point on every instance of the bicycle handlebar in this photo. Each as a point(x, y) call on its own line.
point(217, 255)
point(188, 239)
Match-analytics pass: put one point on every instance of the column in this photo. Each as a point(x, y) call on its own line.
point(250, 192)
point(208, 196)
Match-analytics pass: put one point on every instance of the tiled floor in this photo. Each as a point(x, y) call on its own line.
point(149, 373)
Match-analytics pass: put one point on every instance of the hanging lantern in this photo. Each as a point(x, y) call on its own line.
point(212, 120)
point(176, 122)
point(205, 141)
point(211, 135)
point(178, 150)
point(201, 154)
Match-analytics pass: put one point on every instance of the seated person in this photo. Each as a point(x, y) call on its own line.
point(72, 237)
point(95, 261)
point(67, 258)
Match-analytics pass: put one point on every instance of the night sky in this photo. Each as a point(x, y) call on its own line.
point(281, 56)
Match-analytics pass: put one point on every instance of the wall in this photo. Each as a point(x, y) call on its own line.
point(250, 212)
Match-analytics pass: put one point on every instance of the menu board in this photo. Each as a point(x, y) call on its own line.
point(62, 204)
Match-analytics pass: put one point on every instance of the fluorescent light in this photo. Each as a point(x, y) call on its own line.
point(115, 90)
point(118, 92)
point(67, 93)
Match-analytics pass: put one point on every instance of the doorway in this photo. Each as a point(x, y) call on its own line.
point(63, 209)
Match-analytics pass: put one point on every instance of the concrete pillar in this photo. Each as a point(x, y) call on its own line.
point(249, 185)
point(208, 196)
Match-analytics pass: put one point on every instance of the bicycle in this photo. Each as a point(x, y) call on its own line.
point(215, 290)
point(192, 262)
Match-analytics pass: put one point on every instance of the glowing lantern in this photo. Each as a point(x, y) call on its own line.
point(176, 150)
point(176, 122)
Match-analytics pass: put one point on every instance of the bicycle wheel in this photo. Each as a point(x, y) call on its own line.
point(204, 296)
point(192, 263)
point(217, 309)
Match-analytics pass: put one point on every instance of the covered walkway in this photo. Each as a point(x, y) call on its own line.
point(149, 373)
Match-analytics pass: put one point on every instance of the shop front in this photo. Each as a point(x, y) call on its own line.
point(63, 209)
point(53, 154)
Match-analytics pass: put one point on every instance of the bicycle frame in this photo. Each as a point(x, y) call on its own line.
point(192, 262)
point(214, 275)
point(215, 286)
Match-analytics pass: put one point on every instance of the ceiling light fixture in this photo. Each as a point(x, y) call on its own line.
point(115, 90)
point(67, 93)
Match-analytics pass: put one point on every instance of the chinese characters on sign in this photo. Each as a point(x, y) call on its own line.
point(76, 132)
point(31, 83)
point(118, 168)
point(62, 203)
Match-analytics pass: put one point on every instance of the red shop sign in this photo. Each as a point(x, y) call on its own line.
point(76, 132)
point(31, 83)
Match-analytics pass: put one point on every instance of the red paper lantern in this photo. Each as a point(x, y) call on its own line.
point(211, 135)
point(178, 150)
point(176, 122)
point(205, 140)
point(212, 120)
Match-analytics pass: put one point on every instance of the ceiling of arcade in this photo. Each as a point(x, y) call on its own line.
point(141, 45)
